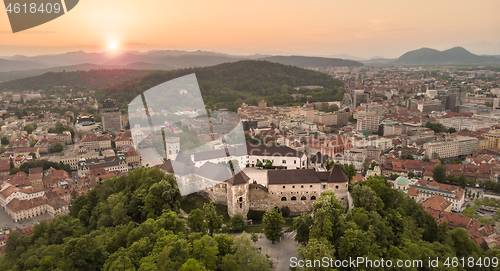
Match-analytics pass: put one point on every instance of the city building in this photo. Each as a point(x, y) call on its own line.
point(367, 121)
point(443, 148)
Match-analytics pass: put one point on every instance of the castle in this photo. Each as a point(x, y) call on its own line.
point(296, 188)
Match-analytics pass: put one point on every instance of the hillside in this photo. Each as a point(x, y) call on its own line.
point(456, 55)
point(315, 62)
point(228, 85)
point(222, 86)
point(95, 79)
point(17, 65)
point(13, 75)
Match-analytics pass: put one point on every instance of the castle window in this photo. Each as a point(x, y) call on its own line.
point(324, 186)
point(283, 199)
point(336, 187)
point(293, 198)
point(301, 186)
point(295, 161)
point(311, 185)
point(283, 186)
point(313, 198)
point(293, 186)
point(241, 205)
point(241, 199)
point(284, 161)
point(303, 198)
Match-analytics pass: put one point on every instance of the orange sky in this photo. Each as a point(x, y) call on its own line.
point(364, 28)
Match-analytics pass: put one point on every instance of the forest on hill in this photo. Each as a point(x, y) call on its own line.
point(132, 222)
point(93, 79)
point(228, 85)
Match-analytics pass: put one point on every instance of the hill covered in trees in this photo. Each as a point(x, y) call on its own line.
point(228, 85)
point(385, 223)
point(313, 62)
point(93, 79)
point(456, 55)
point(223, 86)
point(132, 223)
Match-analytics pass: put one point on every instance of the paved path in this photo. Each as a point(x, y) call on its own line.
point(279, 252)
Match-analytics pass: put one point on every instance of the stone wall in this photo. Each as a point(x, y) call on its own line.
point(258, 197)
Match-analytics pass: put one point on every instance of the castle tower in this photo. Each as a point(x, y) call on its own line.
point(237, 195)
point(172, 147)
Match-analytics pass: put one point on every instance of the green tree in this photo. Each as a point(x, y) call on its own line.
point(269, 164)
point(333, 108)
point(196, 221)
point(285, 211)
point(439, 174)
point(407, 156)
point(192, 265)
point(205, 250)
point(302, 224)
point(4, 141)
point(247, 256)
point(364, 197)
point(58, 147)
point(259, 163)
point(328, 215)
point(254, 237)
point(316, 250)
point(163, 195)
point(411, 174)
point(273, 224)
point(214, 221)
point(350, 171)
point(237, 223)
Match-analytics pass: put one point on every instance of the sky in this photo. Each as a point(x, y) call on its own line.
point(361, 28)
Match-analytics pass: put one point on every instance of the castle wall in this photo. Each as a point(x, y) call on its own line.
point(217, 193)
point(258, 197)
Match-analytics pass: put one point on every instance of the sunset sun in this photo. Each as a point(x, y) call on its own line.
point(112, 45)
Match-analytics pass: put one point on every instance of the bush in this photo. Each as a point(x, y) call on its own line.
point(237, 223)
point(285, 211)
point(255, 215)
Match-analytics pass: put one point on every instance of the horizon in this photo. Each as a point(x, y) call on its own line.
point(119, 52)
point(363, 29)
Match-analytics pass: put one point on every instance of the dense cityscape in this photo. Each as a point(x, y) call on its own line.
point(314, 177)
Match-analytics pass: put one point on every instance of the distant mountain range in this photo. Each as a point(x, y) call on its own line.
point(18, 66)
point(312, 62)
point(456, 55)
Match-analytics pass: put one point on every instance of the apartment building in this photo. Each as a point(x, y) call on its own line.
point(95, 142)
point(367, 121)
point(444, 148)
point(467, 145)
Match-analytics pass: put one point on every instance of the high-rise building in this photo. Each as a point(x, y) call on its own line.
point(367, 121)
point(449, 102)
point(360, 98)
point(111, 116)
